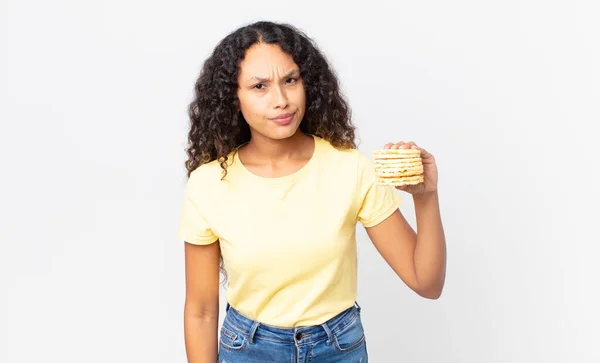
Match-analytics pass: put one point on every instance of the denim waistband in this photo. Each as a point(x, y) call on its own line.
point(298, 335)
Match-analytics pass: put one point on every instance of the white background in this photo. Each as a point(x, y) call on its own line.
point(505, 94)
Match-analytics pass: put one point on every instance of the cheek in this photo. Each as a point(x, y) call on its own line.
point(300, 99)
point(251, 108)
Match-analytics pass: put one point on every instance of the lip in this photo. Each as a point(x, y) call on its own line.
point(283, 116)
point(284, 119)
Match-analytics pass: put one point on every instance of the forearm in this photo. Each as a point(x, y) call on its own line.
point(201, 338)
point(430, 250)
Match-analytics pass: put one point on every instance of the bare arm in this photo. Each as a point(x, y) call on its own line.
point(419, 259)
point(201, 313)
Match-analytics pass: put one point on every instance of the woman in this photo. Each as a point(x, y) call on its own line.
point(276, 186)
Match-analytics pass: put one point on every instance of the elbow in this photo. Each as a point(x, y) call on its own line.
point(432, 293)
point(431, 296)
point(205, 315)
point(202, 310)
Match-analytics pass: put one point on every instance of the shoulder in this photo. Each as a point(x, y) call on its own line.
point(204, 179)
point(353, 158)
point(206, 171)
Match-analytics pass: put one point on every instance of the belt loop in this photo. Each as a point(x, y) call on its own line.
point(227, 307)
point(253, 329)
point(328, 331)
point(357, 306)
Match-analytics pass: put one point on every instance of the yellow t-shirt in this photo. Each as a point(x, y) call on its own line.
point(288, 243)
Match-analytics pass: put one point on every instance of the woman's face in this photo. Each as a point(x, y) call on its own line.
point(271, 93)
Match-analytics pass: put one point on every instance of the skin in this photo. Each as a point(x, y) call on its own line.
point(418, 258)
point(270, 85)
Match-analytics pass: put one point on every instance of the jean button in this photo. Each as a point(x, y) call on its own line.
point(298, 336)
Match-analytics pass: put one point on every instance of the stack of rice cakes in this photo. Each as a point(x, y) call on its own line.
point(398, 166)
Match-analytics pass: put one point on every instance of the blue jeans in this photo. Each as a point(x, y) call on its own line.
point(340, 339)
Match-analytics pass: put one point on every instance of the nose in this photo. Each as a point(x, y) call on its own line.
point(281, 99)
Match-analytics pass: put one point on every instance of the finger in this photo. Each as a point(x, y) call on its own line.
point(425, 153)
point(427, 157)
point(398, 145)
point(409, 145)
point(388, 145)
point(404, 188)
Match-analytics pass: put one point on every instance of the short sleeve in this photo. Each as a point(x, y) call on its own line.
point(375, 202)
point(193, 226)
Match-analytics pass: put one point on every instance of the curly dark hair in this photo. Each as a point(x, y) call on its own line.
point(217, 124)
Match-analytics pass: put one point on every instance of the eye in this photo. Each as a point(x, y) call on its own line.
point(292, 79)
point(259, 86)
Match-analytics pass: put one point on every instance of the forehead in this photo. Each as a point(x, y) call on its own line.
point(263, 59)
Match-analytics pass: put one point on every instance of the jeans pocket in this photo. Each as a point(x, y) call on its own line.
point(231, 338)
point(350, 336)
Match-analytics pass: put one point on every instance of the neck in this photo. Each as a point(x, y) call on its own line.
point(271, 150)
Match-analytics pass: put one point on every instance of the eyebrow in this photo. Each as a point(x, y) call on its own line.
point(259, 79)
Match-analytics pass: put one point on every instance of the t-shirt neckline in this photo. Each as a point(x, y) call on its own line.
point(286, 178)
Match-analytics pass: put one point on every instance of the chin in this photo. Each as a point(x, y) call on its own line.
point(283, 132)
point(277, 132)
point(282, 135)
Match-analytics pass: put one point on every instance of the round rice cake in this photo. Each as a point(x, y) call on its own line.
point(401, 161)
point(396, 153)
point(407, 180)
point(400, 171)
point(398, 166)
